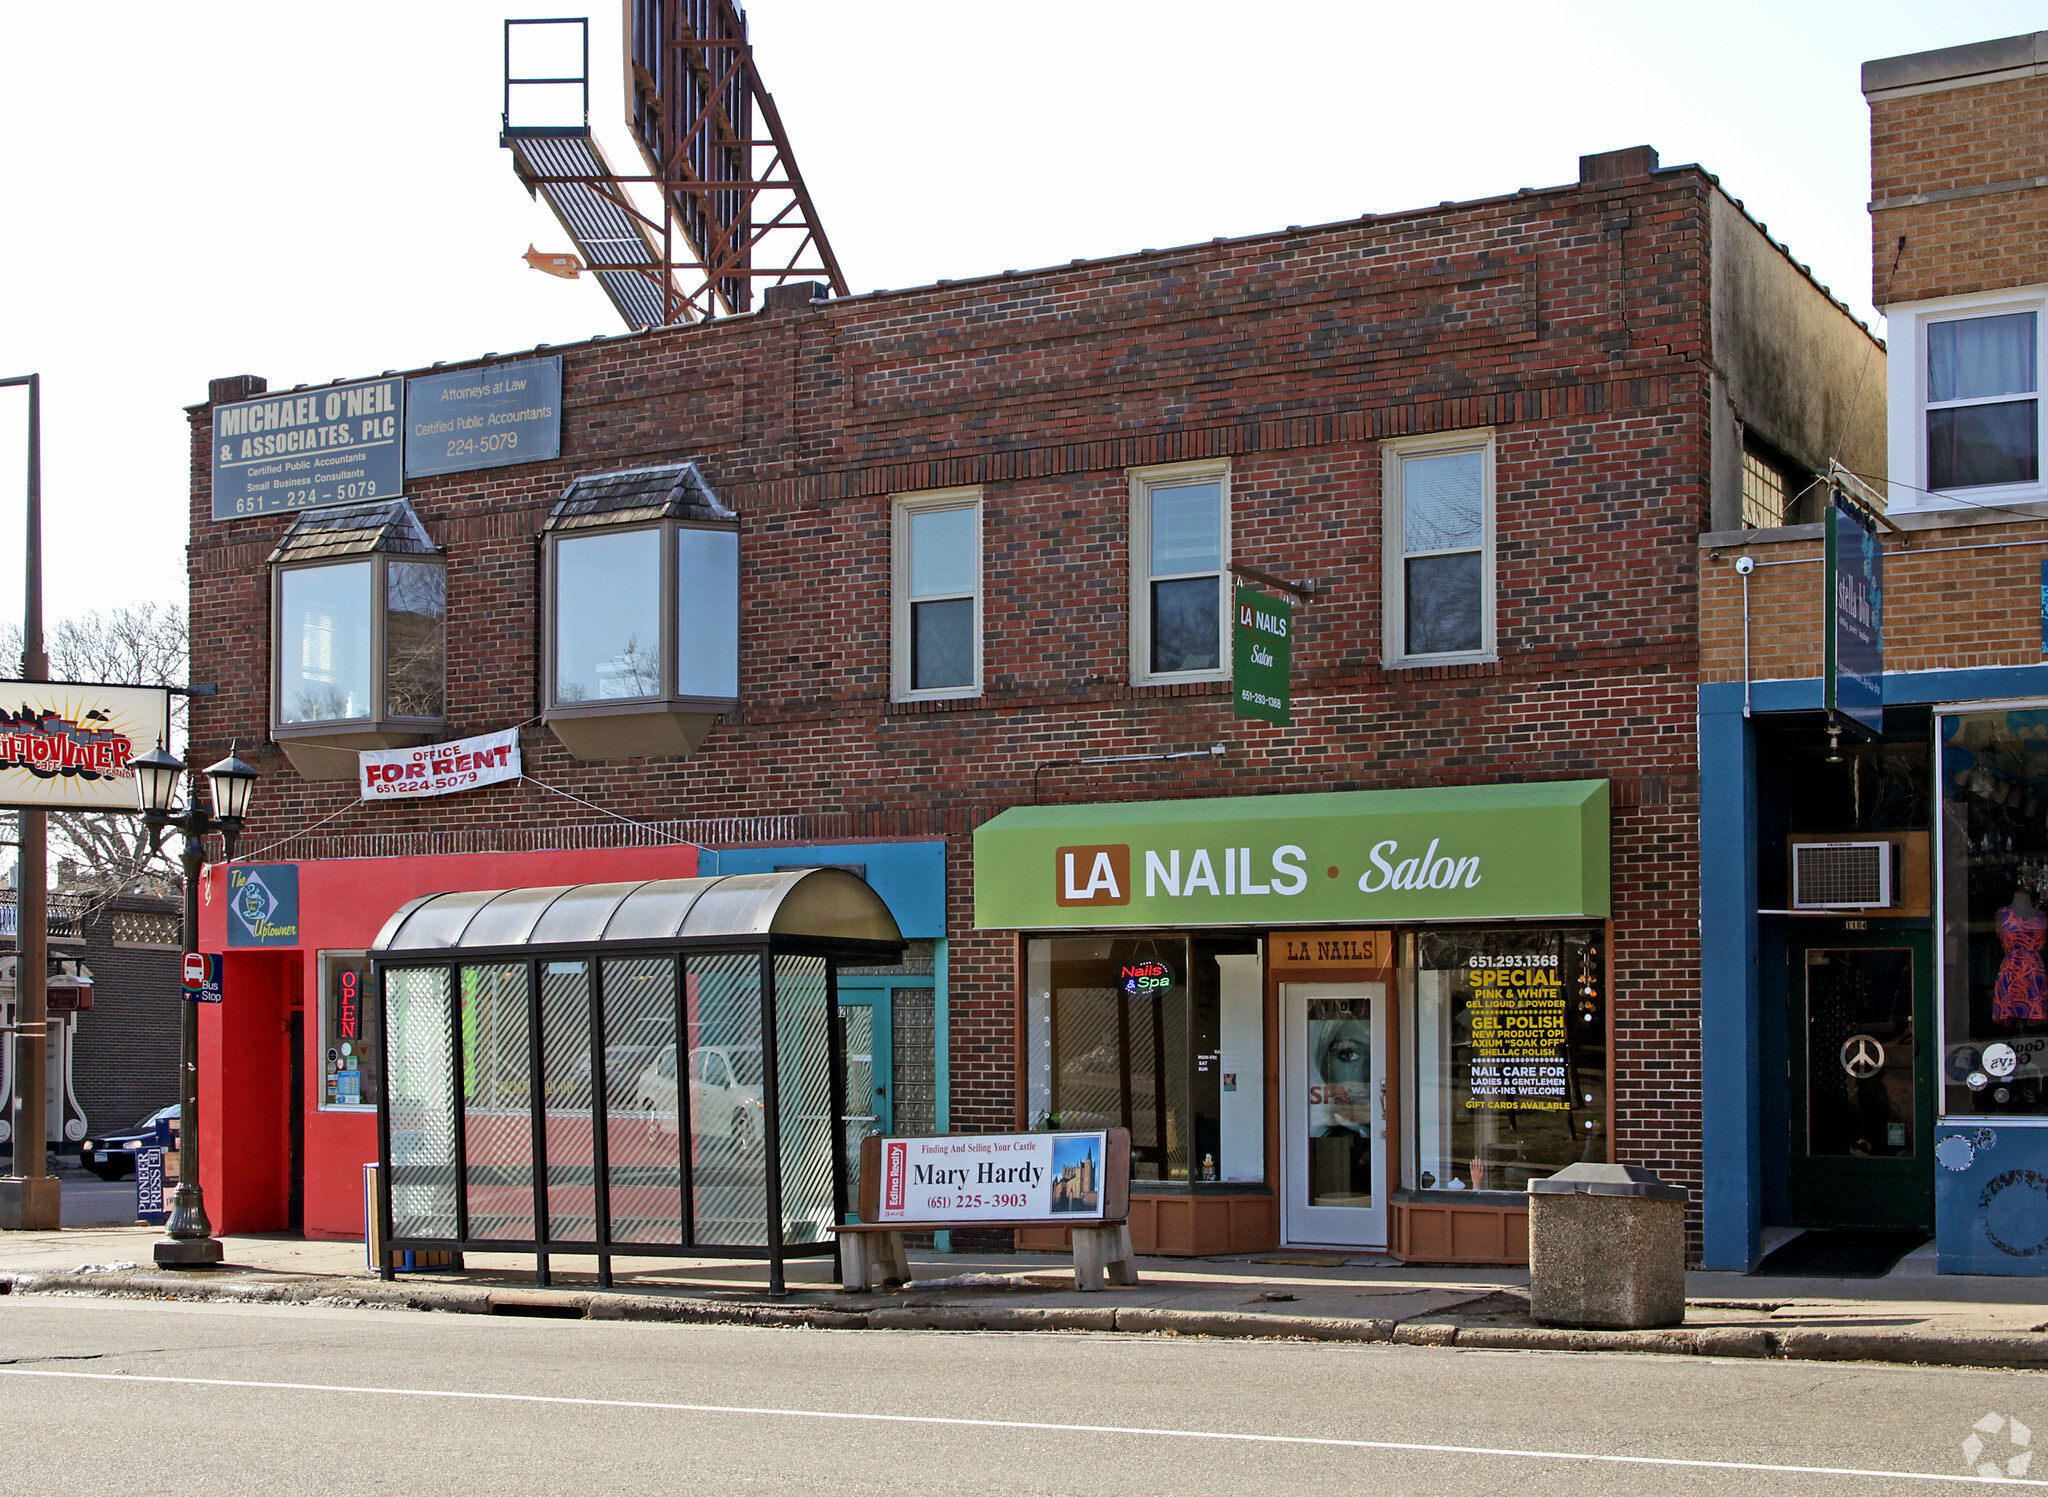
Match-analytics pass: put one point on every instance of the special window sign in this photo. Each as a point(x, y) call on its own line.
point(994, 1177)
point(1519, 1013)
point(72, 746)
point(1853, 672)
point(1260, 645)
point(337, 445)
point(483, 418)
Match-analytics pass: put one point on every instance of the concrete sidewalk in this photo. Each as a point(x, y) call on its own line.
point(1912, 1315)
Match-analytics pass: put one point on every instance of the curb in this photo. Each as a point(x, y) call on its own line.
point(2000, 1349)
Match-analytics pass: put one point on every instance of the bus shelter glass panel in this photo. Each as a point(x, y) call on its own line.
point(803, 1052)
point(421, 1101)
point(566, 1079)
point(728, 1174)
point(497, 1094)
point(643, 1100)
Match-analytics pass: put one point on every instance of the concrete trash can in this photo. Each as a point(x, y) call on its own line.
point(1606, 1248)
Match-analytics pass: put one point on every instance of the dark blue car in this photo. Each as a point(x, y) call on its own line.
point(111, 1156)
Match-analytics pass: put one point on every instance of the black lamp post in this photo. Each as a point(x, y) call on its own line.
point(189, 1241)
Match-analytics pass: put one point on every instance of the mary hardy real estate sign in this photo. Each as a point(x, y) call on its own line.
point(1259, 657)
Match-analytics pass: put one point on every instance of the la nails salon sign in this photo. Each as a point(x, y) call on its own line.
point(1458, 852)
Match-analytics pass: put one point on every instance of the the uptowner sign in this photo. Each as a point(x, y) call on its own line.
point(1459, 852)
point(72, 746)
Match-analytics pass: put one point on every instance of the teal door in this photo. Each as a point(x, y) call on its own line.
point(864, 1033)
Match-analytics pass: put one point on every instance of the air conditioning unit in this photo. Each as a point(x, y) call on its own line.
point(1844, 875)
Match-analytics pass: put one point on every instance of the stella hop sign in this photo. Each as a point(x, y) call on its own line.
point(1259, 657)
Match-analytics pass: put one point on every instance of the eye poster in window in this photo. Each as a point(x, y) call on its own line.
point(1260, 651)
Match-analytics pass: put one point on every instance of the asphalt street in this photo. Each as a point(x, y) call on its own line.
point(100, 1396)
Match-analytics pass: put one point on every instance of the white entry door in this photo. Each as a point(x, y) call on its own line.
point(1333, 1105)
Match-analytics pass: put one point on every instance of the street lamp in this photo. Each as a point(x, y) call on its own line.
point(189, 1241)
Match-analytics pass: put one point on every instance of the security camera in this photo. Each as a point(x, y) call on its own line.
point(1745, 564)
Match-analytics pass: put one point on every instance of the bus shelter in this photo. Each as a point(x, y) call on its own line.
point(641, 1069)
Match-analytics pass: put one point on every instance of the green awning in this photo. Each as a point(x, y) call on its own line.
point(1364, 857)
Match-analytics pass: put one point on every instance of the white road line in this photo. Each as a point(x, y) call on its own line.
point(1069, 1429)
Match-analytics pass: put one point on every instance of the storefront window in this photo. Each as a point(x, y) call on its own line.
point(351, 1049)
point(1507, 1030)
point(1994, 889)
point(1162, 1035)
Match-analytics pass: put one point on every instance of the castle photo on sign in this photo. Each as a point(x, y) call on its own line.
point(1077, 1174)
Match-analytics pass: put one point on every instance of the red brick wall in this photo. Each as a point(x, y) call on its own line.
point(1294, 354)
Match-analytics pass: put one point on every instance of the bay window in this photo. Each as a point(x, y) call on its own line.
point(642, 594)
point(359, 609)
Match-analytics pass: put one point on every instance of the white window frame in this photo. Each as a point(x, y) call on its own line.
point(1166, 476)
point(901, 508)
point(1394, 595)
point(1907, 326)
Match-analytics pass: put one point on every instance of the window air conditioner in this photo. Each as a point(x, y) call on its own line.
point(1843, 875)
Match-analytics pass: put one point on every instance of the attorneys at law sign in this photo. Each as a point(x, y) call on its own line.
point(1471, 852)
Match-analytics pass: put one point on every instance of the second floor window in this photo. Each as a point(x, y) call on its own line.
point(1180, 553)
point(361, 609)
point(937, 625)
point(643, 613)
point(1983, 412)
point(1439, 540)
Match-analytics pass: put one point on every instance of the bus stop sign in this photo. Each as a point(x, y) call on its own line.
point(202, 977)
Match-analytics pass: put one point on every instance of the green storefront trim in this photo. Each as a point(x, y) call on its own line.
point(1462, 852)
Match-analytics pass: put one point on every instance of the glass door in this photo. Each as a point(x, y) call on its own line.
point(1862, 1091)
point(1334, 1127)
point(864, 1032)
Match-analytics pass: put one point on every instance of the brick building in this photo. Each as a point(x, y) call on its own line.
point(981, 595)
point(1870, 896)
point(113, 1048)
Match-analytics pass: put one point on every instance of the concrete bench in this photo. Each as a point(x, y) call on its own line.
point(872, 1253)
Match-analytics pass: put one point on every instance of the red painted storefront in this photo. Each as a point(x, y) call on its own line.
point(245, 1061)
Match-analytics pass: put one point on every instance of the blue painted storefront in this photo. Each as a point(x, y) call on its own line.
point(1991, 1190)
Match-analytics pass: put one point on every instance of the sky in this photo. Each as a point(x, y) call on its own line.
point(304, 192)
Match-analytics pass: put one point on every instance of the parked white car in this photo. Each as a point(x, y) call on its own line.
point(725, 1093)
